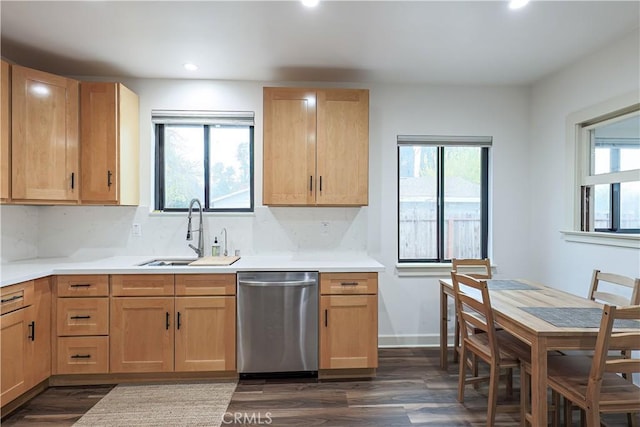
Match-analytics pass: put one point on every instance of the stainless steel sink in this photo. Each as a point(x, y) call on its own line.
point(167, 263)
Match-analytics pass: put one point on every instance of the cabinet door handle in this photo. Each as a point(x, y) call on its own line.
point(81, 356)
point(13, 298)
point(109, 178)
point(326, 318)
point(178, 321)
point(32, 331)
point(349, 283)
point(73, 176)
point(80, 285)
point(167, 321)
point(321, 183)
point(80, 317)
point(311, 183)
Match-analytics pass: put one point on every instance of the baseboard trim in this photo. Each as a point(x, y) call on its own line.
point(416, 340)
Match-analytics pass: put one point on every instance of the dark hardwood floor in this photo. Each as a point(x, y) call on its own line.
point(410, 389)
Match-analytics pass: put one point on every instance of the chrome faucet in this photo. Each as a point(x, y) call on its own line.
point(200, 249)
point(224, 231)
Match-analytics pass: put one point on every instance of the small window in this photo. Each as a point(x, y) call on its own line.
point(208, 156)
point(442, 198)
point(610, 187)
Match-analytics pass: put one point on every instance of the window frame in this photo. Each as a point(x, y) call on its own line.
point(588, 178)
point(444, 142)
point(159, 178)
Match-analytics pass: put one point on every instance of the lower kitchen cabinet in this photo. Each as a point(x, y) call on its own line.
point(205, 334)
point(141, 334)
point(25, 347)
point(349, 321)
point(83, 355)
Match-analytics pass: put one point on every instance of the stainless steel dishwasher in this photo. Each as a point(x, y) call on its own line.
point(277, 323)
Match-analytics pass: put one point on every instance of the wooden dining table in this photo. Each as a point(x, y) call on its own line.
point(516, 310)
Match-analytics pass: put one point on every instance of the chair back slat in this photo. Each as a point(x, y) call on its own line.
point(603, 361)
point(476, 268)
point(474, 311)
point(628, 287)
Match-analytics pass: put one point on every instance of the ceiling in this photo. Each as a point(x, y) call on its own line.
point(444, 42)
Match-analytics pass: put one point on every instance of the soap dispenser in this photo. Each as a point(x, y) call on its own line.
point(215, 247)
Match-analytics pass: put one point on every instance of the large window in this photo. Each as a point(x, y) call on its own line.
point(442, 198)
point(204, 156)
point(610, 186)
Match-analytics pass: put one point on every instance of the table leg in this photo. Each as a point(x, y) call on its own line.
point(539, 382)
point(443, 328)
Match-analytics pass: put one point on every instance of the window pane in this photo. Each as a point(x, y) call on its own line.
point(462, 195)
point(615, 147)
point(630, 205)
point(229, 167)
point(418, 202)
point(183, 165)
point(602, 206)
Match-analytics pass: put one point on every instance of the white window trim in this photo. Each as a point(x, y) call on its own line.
point(576, 173)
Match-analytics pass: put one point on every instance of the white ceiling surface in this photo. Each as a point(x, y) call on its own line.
point(456, 42)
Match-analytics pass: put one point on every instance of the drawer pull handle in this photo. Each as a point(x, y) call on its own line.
point(80, 317)
point(81, 356)
point(81, 285)
point(349, 283)
point(13, 298)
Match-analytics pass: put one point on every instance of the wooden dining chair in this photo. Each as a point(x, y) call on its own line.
point(476, 268)
point(619, 290)
point(598, 388)
point(474, 313)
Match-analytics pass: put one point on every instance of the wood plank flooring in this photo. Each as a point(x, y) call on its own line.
point(409, 390)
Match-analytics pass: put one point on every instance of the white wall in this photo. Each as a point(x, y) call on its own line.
point(605, 74)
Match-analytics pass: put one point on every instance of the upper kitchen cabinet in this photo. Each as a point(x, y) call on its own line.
point(316, 147)
point(109, 144)
point(44, 137)
point(5, 131)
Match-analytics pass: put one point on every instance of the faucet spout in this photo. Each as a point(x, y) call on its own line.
point(224, 231)
point(200, 249)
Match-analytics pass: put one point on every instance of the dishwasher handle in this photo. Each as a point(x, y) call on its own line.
point(293, 283)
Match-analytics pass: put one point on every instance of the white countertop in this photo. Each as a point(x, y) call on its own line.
point(20, 271)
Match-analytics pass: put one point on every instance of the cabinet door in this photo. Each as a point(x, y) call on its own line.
point(44, 136)
point(205, 334)
point(40, 346)
point(14, 350)
point(5, 131)
point(343, 147)
point(99, 144)
point(348, 331)
point(289, 146)
point(141, 334)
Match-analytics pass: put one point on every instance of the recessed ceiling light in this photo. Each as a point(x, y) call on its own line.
point(190, 67)
point(517, 4)
point(310, 3)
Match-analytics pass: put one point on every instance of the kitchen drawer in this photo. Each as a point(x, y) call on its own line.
point(348, 283)
point(142, 285)
point(16, 296)
point(94, 285)
point(82, 316)
point(205, 284)
point(83, 355)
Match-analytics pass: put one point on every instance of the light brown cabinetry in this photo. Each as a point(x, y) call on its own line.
point(25, 345)
point(205, 322)
point(349, 320)
point(82, 324)
point(154, 331)
point(44, 137)
point(109, 144)
point(316, 147)
point(5, 131)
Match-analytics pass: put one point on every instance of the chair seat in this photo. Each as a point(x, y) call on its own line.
point(480, 342)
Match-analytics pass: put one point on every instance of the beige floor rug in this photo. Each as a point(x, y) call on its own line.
point(183, 404)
